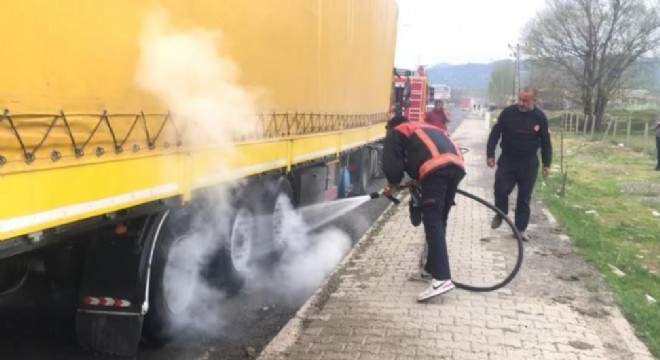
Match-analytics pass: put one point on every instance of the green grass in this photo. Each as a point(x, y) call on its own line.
point(638, 116)
point(624, 233)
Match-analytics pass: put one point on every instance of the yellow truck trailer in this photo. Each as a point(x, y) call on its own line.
point(124, 122)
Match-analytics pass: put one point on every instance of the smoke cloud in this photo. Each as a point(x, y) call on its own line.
point(186, 70)
point(305, 261)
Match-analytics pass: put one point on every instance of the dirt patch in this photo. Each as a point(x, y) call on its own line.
point(651, 200)
point(610, 171)
point(641, 188)
point(581, 345)
point(593, 311)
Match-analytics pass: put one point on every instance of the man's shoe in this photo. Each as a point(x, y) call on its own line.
point(424, 274)
point(525, 237)
point(437, 287)
point(497, 222)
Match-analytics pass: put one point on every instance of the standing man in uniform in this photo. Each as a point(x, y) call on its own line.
point(437, 117)
point(523, 128)
point(429, 156)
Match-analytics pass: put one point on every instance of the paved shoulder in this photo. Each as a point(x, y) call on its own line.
point(367, 308)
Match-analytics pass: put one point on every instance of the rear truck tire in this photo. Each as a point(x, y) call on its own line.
point(362, 171)
point(242, 239)
point(377, 162)
point(165, 302)
point(284, 200)
point(251, 242)
point(257, 240)
point(180, 263)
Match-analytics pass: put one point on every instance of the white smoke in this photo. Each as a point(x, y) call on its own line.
point(305, 261)
point(186, 70)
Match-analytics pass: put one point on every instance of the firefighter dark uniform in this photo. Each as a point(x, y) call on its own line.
point(522, 133)
point(427, 154)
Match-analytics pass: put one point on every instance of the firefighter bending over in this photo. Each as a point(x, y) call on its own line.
point(429, 156)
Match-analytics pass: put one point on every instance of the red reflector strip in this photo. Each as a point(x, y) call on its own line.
point(105, 301)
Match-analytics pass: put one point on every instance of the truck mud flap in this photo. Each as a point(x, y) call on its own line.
point(112, 292)
point(109, 333)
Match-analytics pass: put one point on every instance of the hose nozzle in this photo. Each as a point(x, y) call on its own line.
point(377, 194)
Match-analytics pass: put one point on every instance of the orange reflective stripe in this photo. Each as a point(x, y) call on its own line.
point(408, 128)
point(458, 150)
point(428, 142)
point(438, 161)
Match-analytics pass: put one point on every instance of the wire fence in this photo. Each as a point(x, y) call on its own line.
point(624, 130)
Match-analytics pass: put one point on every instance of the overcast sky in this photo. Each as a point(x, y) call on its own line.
point(460, 31)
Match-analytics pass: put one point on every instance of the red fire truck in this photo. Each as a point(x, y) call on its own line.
point(409, 94)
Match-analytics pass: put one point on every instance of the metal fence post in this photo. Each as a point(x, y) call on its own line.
point(628, 130)
point(646, 134)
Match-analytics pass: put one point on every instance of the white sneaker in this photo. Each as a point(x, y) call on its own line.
point(436, 287)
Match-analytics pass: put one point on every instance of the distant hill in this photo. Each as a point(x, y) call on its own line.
point(476, 76)
point(467, 76)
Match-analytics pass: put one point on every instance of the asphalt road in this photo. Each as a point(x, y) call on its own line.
point(38, 324)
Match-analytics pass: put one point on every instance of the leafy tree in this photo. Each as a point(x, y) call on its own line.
point(500, 86)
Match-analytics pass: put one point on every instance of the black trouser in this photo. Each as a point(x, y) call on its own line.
point(438, 192)
point(657, 147)
point(512, 171)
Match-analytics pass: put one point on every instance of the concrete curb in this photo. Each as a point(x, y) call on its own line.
point(278, 347)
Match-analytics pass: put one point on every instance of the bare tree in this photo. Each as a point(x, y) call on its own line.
point(557, 89)
point(595, 42)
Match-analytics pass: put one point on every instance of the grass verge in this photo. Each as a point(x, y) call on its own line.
point(610, 209)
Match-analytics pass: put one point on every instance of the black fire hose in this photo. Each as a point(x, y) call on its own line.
point(518, 236)
point(499, 212)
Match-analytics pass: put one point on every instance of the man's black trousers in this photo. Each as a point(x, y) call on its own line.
point(438, 193)
point(512, 171)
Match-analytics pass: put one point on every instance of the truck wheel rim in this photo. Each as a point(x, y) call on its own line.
point(241, 239)
point(180, 275)
point(279, 214)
